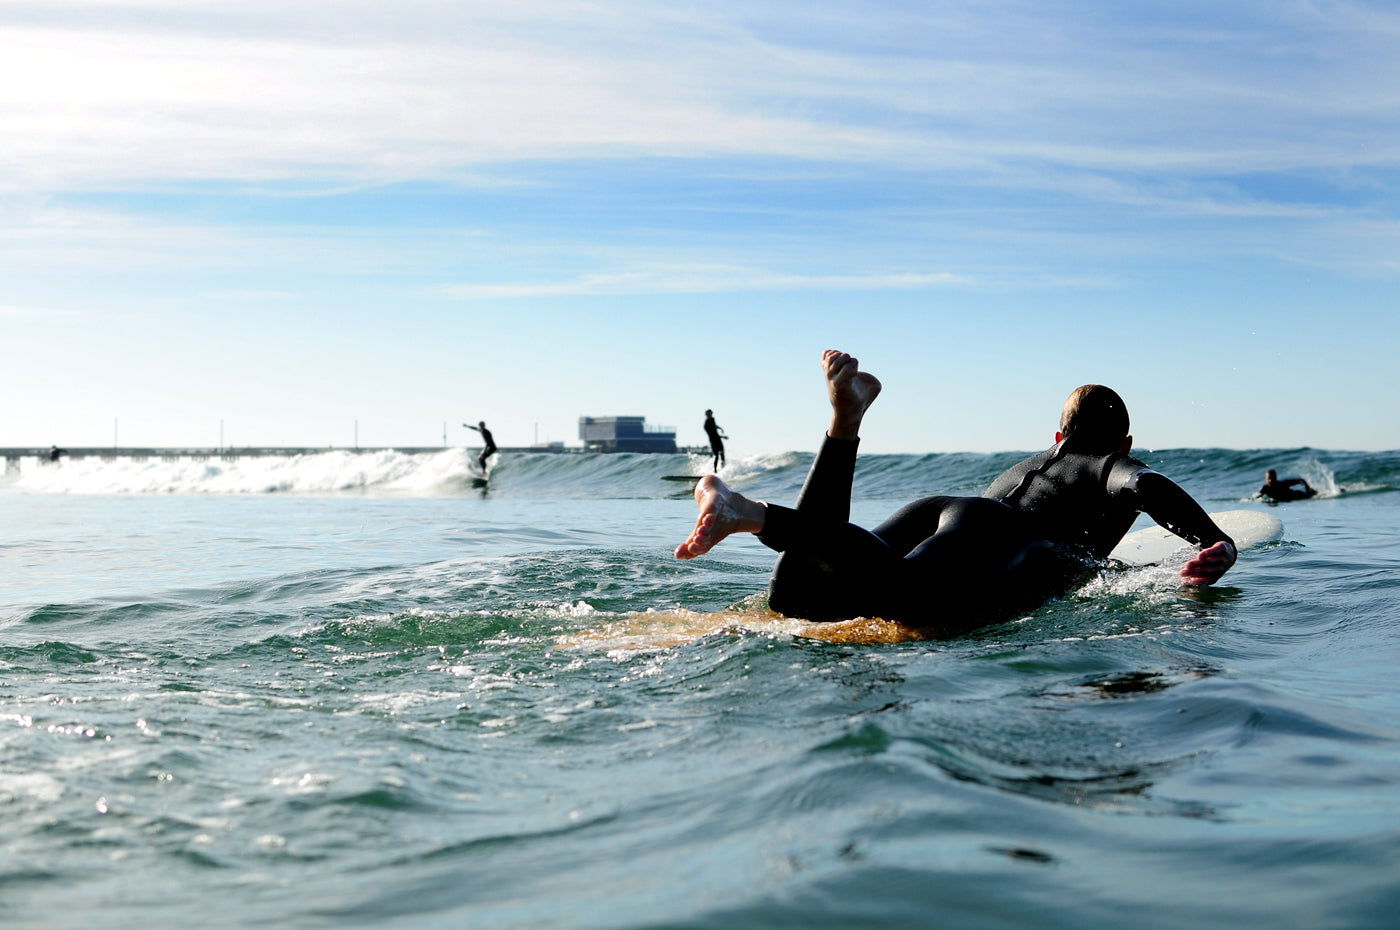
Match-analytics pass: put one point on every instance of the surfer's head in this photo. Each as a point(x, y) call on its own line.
point(1270, 476)
point(1096, 418)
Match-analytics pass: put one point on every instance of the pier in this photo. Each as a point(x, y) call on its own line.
point(13, 454)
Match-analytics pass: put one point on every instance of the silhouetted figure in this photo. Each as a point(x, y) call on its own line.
point(717, 437)
point(55, 452)
point(1287, 489)
point(490, 448)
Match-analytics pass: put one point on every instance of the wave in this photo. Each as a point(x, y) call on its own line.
point(450, 472)
point(335, 471)
point(1218, 475)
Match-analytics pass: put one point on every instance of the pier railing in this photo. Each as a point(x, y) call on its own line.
point(13, 454)
point(227, 453)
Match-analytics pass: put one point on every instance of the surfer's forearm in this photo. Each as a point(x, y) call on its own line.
point(1165, 502)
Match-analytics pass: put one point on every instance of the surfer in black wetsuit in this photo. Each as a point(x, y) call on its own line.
point(1287, 489)
point(955, 562)
point(717, 437)
point(490, 448)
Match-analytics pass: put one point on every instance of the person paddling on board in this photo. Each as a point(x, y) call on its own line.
point(490, 448)
point(717, 437)
point(1287, 489)
point(955, 562)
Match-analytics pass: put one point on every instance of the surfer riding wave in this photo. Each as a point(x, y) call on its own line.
point(488, 444)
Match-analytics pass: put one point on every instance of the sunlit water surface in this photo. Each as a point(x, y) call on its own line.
point(361, 693)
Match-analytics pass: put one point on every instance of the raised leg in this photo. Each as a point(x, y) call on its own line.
point(723, 512)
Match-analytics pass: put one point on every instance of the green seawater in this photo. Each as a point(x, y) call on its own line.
point(360, 693)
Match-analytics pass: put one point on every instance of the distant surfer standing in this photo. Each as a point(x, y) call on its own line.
point(951, 563)
point(717, 437)
point(1287, 489)
point(490, 448)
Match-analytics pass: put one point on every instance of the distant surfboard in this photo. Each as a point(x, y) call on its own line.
point(1289, 494)
point(691, 478)
point(1154, 544)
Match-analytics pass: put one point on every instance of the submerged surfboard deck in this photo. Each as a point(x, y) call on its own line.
point(666, 629)
point(1154, 544)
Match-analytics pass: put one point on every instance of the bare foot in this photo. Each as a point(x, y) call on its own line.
point(722, 512)
point(851, 390)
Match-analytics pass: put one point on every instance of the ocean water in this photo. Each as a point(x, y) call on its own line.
point(351, 690)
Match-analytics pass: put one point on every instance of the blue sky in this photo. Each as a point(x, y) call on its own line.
point(296, 220)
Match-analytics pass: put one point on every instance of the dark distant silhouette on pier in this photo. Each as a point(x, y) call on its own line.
point(1286, 489)
point(717, 437)
point(490, 448)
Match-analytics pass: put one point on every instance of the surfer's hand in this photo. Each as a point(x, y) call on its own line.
point(1209, 564)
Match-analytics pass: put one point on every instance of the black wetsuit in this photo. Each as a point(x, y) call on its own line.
point(1285, 489)
point(490, 447)
point(716, 441)
point(1090, 501)
point(955, 562)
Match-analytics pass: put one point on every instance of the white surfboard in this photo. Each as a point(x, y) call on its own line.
point(1153, 544)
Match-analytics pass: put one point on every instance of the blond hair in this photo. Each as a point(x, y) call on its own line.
point(1096, 418)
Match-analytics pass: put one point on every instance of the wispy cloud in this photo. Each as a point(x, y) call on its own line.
point(697, 280)
point(97, 93)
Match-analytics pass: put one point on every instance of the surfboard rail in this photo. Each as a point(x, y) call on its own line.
point(1154, 544)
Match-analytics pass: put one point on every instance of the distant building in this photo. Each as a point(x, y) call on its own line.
point(624, 434)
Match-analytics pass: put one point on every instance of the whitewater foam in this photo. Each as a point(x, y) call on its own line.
point(332, 471)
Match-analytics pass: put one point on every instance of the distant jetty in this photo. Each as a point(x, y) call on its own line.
point(13, 454)
point(232, 453)
point(599, 434)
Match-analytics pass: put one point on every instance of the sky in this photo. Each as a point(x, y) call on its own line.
point(317, 223)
